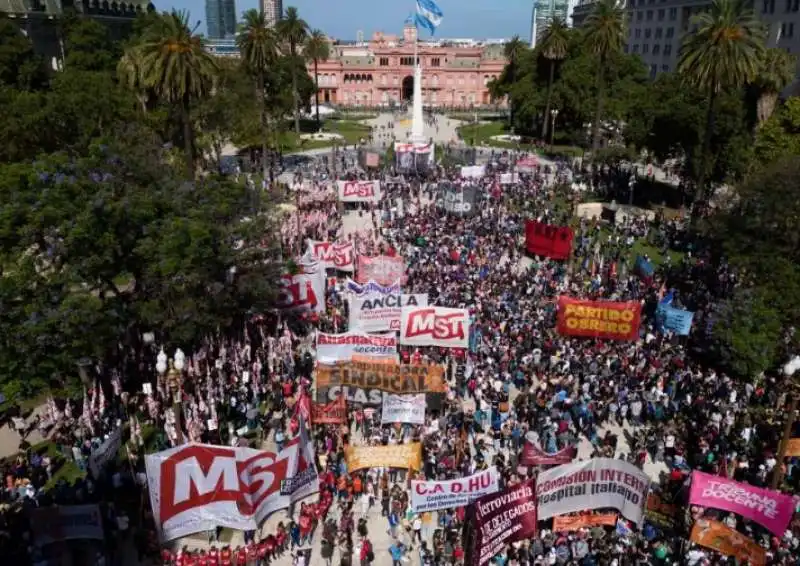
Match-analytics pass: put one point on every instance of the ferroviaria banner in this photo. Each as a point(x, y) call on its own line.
point(383, 375)
point(408, 456)
point(611, 320)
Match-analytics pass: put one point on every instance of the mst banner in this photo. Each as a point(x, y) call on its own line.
point(593, 484)
point(434, 495)
point(334, 412)
point(303, 291)
point(407, 456)
point(198, 487)
point(545, 240)
point(382, 269)
point(598, 319)
point(333, 348)
point(334, 255)
point(500, 519)
point(403, 409)
point(434, 326)
point(380, 312)
point(359, 191)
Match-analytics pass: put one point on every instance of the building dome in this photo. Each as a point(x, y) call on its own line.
point(411, 21)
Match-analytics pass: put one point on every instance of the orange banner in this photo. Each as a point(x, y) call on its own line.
point(383, 374)
point(566, 523)
point(662, 514)
point(599, 319)
point(723, 539)
point(793, 448)
point(334, 412)
point(407, 456)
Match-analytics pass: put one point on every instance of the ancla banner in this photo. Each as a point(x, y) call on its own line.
point(599, 483)
point(434, 326)
point(379, 312)
point(598, 319)
point(500, 519)
point(334, 412)
point(382, 269)
point(769, 508)
point(434, 495)
point(545, 240)
point(333, 348)
point(199, 487)
point(334, 255)
point(403, 409)
point(532, 455)
point(359, 191)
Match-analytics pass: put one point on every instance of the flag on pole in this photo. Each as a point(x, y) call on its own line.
point(429, 15)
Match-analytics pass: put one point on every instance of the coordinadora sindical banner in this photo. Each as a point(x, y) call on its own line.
point(598, 319)
point(433, 495)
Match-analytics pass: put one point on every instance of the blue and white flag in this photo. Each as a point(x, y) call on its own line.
point(429, 15)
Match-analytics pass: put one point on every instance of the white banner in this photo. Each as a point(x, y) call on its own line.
point(198, 487)
point(334, 255)
point(599, 483)
point(473, 171)
point(380, 313)
point(433, 495)
point(403, 408)
point(66, 522)
point(508, 178)
point(434, 326)
point(303, 291)
point(106, 452)
point(332, 348)
point(359, 191)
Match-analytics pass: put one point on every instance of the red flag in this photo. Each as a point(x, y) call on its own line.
point(303, 405)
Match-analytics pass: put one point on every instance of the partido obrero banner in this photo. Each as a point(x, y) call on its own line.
point(408, 409)
point(379, 312)
point(598, 319)
point(382, 269)
point(434, 495)
point(359, 191)
point(333, 255)
point(434, 326)
point(599, 483)
point(333, 348)
point(769, 508)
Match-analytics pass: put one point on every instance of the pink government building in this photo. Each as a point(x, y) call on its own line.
point(380, 72)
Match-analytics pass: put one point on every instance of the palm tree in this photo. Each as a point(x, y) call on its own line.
point(256, 43)
point(293, 30)
point(178, 69)
point(317, 49)
point(723, 52)
point(553, 47)
point(776, 71)
point(513, 50)
point(604, 35)
point(129, 74)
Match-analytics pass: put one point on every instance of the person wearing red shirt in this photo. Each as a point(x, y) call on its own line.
point(226, 556)
point(166, 557)
point(186, 557)
point(263, 551)
point(202, 559)
point(194, 559)
point(213, 556)
point(252, 552)
point(241, 556)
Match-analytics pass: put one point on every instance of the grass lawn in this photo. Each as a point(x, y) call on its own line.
point(481, 134)
point(351, 130)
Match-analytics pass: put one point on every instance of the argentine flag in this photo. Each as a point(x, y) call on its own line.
point(429, 15)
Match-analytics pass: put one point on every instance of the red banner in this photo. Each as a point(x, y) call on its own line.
point(334, 412)
point(532, 455)
point(545, 240)
point(599, 319)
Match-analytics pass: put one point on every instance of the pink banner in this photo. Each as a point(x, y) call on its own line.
point(769, 508)
point(382, 269)
point(532, 455)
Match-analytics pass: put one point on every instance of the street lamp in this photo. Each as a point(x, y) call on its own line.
point(553, 116)
point(84, 364)
point(789, 369)
point(174, 374)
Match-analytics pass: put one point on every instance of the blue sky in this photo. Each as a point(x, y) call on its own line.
point(343, 18)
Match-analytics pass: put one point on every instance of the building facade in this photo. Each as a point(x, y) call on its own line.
point(544, 11)
point(380, 72)
point(656, 28)
point(220, 18)
point(273, 11)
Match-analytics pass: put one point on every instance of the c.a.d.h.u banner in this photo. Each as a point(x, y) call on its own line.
point(598, 319)
point(448, 494)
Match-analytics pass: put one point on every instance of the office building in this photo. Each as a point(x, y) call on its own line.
point(543, 13)
point(220, 18)
point(656, 28)
point(273, 11)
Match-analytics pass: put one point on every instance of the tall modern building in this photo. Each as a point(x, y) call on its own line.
point(221, 18)
point(543, 13)
point(273, 11)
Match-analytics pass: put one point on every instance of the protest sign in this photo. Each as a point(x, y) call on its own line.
point(599, 483)
point(473, 171)
point(793, 448)
point(359, 191)
point(378, 312)
point(768, 508)
point(334, 412)
point(403, 409)
point(333, 255)
point(333, 348)
point(434, 495)
point(372, 287)
point(545, 240)
point(383, 375)
point(499, 519)
point(434, 326)
point(106, 452)
point(527, 164)
point(598, 319)
point(662, 514)
point(382, 269)
point(643, 267)
point(461, 201)
point(677, 320)
point(407, 456)
point(532, 455)
point(725, 540)
point(303, 291)
point(567, 523)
